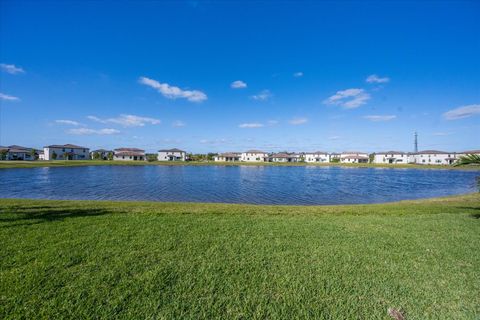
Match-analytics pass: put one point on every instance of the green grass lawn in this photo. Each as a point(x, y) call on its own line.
point(76, 163)
point(144, 260)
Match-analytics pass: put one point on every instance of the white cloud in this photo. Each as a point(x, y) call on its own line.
point(127, 120)
point(6, 97)
point(178, 124)
point(350, 98)
point(298, 121)
point(298, 74)
point(262, 96)
point(377, 118)
point(272, 122)
point(462, 112)
point(213, 142)
point(376, 79)
point(68, 122)
point(87, 131)
point(172, 92)
point(10, 68)
point(239, 84)
point(251, 125)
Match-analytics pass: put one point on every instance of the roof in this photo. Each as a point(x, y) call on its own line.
point(230, 154)
point(129, 153)
point(317, 152)
point(101, 150)
point(171, 150)
point(68, 145)
point(432, 152)
point(254, 151)
point(354, 152)
point(355, 157)
point(471, 152)
point(391, 152)
point(128, 150)
point(282, 155)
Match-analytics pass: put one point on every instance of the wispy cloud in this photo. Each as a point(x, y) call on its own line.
point(251, 125)
point(298, 121)
point(239, 84)
point(214, 141)
point(178, 124)
point(349, 99)
point(262, 96)
point(272, 122)
point(7, 97)
point(68, 122)
point(10, 68)
point(378, 118)
point(462, 112)
point(376, 79)
point(127, 120)
point(298, 74)
point(333, 138)
point(172, 92)
point(87, 131)
point(441, 134)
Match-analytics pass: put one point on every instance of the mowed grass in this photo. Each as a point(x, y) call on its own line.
point(81, 163)
point(126, 260)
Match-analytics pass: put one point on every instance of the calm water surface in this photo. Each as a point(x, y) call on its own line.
point(306, 185)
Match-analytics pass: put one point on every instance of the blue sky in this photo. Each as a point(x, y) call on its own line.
point(234, 75)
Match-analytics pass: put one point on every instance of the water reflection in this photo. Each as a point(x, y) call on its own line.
point(236, 184)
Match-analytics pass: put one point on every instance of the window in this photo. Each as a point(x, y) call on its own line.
point(63, 150)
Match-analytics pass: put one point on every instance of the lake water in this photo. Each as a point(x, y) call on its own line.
point(303, 185)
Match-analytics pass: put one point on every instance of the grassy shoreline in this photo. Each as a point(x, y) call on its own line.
point(77, 163)
point(104, 259)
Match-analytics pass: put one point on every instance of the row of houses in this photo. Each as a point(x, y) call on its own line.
point(74, 152)
point(389, 157)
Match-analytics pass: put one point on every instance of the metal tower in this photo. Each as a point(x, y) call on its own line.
point(415, 143)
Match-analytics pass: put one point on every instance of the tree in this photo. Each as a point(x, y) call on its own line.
point(96, 156)
point(3, 154)
point(110, 156)
point(151, 157)
point(334, 160)
point(468, 159)
point(371, 157)
point(54, 155)
point(33, 154)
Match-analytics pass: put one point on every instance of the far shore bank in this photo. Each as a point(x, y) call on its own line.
point(79, 163)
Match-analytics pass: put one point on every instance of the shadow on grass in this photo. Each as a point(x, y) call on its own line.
point(40, 214)
point(475, 215)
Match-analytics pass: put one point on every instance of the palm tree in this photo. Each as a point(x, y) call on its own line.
point(468, 159)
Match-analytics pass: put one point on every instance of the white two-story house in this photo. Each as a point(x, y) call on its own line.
point(254, 156)
point(66, 152)
point(171, 155)
point(317, 156)
point(129, 154)
point(354, 157)
point(433, 157)
point(391, 157)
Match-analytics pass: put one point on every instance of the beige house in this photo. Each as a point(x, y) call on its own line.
point(228, 157)
point(354, 157)
point(129, 154)
point(66, 152)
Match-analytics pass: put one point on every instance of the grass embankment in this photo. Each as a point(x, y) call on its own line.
point(77, 163)
point(87, 259)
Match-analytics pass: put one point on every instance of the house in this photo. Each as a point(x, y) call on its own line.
point(171, 155)
point(468, 152)
point(285, 157)
point(354, 157)
point(391, 157)
point(102, 154)
point(228, 157)
point(129, 154)
point(433, 157)
point(317, 156)
point(15, 152)
point(254, 156)
point(66, 152)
